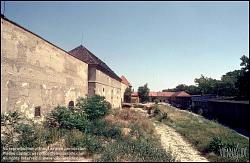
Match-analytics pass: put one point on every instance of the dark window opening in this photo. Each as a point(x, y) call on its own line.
point(71, 104)
point(38, 111)
point(103, 89)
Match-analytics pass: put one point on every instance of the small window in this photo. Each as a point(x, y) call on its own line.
point(38, 111)
point(71, 104)
point(103, 89)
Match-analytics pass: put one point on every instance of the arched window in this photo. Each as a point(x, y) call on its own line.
point(71, 104)
point(38, 111)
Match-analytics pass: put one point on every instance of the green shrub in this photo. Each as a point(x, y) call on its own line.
point(50, 135)
point(95, 107)
point(92, 144)
point(27, 137)
point(63, 117)
point(215, 145)
point(9, 122)
point(58, 117)
point(75, 139)
point(134, 150)
point(104, 128)
point(78, 139)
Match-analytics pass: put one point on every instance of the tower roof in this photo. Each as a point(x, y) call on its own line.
point(83, 54)
point(125, 81)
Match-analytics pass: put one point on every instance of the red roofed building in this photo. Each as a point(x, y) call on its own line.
point(125, 81)
point(134, 97)
point(161, 96)
point(178, 99)
point(124, 85)
point(181, 99)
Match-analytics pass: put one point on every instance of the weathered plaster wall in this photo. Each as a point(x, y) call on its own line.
point(108, 87)
point(36, 73)
point(123, 88)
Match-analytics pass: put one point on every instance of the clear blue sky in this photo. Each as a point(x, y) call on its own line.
point(159, 43)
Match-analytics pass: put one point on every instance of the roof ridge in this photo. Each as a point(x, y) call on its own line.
point(82, 51)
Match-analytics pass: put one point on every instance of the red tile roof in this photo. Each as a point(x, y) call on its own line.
point(181, 94)
point(160, 94)
point(164, 94)
point(125, 81)
point(152, 94)
point(134, 94)
point(168, 94)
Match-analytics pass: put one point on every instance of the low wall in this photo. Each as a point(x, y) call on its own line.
point(232, 113)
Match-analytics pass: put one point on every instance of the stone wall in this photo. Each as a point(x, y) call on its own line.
point(37, 73)
point(108, 87)
point(123, 88)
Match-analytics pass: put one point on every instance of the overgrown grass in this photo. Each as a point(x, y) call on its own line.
point(139, 150)
point(139, 145)
point(120, 135)
point(207, 136)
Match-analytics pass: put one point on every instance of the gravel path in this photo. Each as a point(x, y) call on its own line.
point(173, 141)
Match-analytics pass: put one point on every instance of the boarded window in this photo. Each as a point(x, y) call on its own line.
point(71, 104)
point(38, 111)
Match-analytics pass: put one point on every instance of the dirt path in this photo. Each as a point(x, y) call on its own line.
point(182, 150)
point(174, 142)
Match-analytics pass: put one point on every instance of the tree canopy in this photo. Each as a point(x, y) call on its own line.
point(233, 83)
point(143, 92)
point(127, 95)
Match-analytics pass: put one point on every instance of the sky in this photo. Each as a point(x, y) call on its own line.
point(160, 43)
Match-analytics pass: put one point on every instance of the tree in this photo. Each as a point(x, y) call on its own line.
point(207, 85)
point(193, 90)
point(169, 90)
point(143, 92)
point(242, 83)
point(233, 83)
point(244, 62)
point(127, 95)
point(227, 84)
point(181, 87)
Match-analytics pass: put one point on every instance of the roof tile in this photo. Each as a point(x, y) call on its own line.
point(85, 55)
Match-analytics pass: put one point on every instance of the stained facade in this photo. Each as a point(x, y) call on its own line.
point(37, 74)
point(101, 79)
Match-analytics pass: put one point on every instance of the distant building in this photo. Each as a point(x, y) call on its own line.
point(178, 99)
point(124, 85)
point(134, 97)
point(161, 96)
point(181, 99)
point(101, 79)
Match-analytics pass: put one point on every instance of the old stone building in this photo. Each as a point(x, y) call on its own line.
point(101, 79)
point(36, 75)
point(124, 85)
